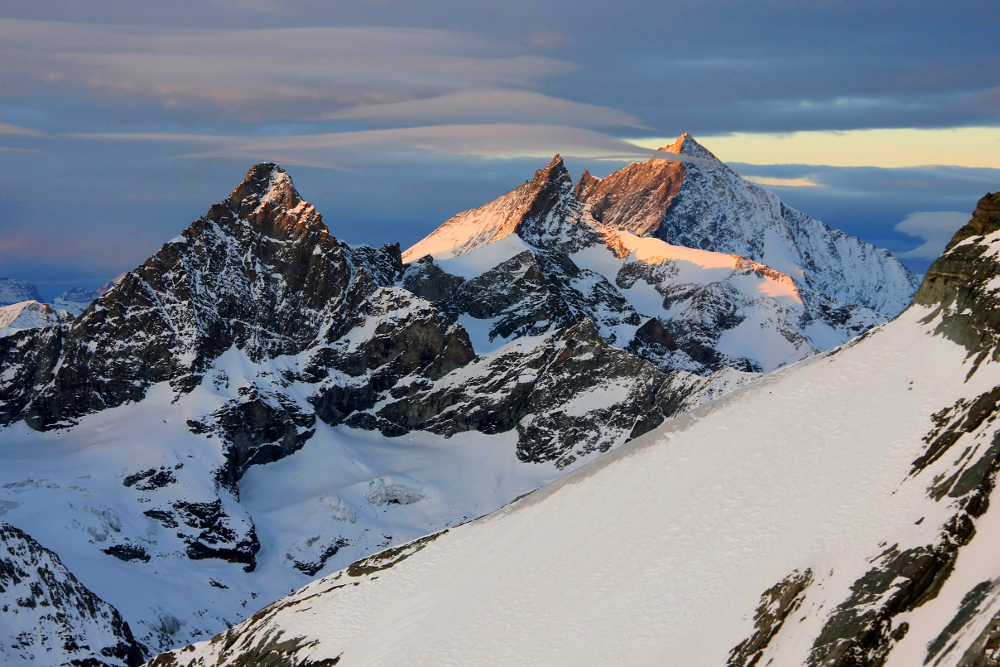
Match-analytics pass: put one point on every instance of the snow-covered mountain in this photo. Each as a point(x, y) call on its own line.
point(50, 618)
point(15, 291)
point(75, 300)
point(706, 205)
point(259, 403)
point(30, 315)
point(835, 513)
point(548, 253)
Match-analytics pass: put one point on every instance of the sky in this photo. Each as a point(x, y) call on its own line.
point(122, 122)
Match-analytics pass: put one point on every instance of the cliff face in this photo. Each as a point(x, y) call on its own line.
point(961, 285)
point(635, 198)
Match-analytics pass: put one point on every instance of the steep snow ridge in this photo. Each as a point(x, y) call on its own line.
point(464, 232)
point(806, 471)
point(477, 262)
point(654, 251)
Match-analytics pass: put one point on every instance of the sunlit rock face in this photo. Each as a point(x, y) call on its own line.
point(546, 197)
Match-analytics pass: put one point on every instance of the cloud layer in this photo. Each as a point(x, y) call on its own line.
point(935, 228)
point(342, 150)
point(120, 121)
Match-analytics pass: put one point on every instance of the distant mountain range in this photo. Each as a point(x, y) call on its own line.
point(259, 403)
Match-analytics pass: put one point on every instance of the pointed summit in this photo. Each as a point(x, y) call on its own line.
point(268, 200)
point(534, 201)
point(686, 145)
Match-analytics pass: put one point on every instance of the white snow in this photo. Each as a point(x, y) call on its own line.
point(481, 260)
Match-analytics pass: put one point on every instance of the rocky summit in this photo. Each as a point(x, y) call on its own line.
point(260, 403)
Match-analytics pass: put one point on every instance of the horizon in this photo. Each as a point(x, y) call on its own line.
point(121, 124)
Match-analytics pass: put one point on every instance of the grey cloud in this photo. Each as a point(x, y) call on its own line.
point(490, 105)
point(18, 131)
point(320, 68)
point(338, 150)
point(935, 227)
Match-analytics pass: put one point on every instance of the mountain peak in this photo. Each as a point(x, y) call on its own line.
point(985, 220)
point(555, 172)
point(686, 145)
point(266, 182)
point(268, 200)
point(515, 211)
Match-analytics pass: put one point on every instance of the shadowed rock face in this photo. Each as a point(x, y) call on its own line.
point(958, 283)
point(50, 617)
point(527, 295)
point(257, 273)
point(532, 390)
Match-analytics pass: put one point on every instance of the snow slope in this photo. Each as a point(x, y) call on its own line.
point(30, 315)
point(115, 496)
